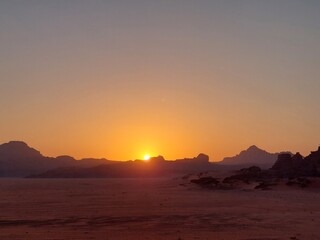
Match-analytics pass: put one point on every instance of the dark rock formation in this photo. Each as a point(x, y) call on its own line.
point(265, 185)
point(288, 166)
point(159, 159)
point(206, 181)
point(300, 181)
point(202, 158)
point(247, 175)
point(252, 171)
point(284, 165)
point(314, 157)
point(295, 169)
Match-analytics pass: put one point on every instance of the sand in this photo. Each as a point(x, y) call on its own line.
point(152, 209)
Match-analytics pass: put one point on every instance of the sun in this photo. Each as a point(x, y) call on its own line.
point(146, 157)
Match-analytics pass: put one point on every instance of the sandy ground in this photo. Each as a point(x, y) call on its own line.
point(152, 209)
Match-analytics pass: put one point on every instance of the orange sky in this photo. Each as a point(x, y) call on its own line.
point(119, 80)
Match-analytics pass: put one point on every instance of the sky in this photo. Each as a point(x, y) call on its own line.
point(123, 78)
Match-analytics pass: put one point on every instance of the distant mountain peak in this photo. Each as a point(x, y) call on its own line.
point(253, 155)
point(253, 147)
point(17, 144)
point(18, 148)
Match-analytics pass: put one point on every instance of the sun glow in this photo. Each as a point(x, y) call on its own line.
point(146, 157)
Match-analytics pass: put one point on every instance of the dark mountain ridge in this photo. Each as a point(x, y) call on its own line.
point(17, 159)
point(155, 167)
point(252, 156)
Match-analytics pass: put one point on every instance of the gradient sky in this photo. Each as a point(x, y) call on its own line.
point(122, 78)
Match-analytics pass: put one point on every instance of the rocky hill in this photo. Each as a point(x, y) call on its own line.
point(17, 159)
point(252, 156)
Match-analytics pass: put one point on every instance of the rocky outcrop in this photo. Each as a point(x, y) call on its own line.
point(206, 181)
point(294, 170)
point(159, 159)
point(202, 158)
point(288, 166)
point(246, 175)
point(314, 157)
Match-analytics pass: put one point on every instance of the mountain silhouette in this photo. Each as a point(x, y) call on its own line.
point(17, 159)
point(252, 156)
point(17, 150)
point(155, 167)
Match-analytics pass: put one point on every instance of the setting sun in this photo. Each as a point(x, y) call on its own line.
point(146, 157)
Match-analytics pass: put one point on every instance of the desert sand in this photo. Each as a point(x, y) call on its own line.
point(153, 209)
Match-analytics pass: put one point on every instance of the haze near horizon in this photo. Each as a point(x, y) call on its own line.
point(125, 79)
